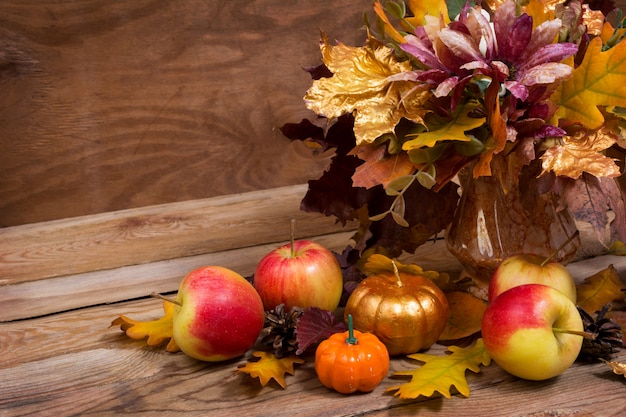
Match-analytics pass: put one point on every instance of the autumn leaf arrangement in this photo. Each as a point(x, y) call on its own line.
point(439, 87)
point(291, 336)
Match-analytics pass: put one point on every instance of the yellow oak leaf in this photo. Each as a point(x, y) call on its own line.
point(466, 314)
point(600, 80)
point(156, 331)
point(421, 8)
point(618, 368)
point(599, 289)
point(440, 372)
point(270, 367)
point(367, 82)
point(618, 248)
point(453, 129)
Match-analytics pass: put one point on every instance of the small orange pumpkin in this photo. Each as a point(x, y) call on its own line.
point(351, 361)
point(407, 312)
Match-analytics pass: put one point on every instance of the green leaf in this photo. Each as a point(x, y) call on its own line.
point(454, 129)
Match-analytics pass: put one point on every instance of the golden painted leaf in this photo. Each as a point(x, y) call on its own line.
point(582, 153)
point(367, 82)
point(377, 264)
point(600, 80)
point(453, 129)
point(618, 248)
point(440, 372)
point(617, 367)
point(599, 289)
point(466, 314)
point(379, 167)
point(156, 331)
point(270, 367)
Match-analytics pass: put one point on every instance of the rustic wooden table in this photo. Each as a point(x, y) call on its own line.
point(73, 363)
point(60, 357)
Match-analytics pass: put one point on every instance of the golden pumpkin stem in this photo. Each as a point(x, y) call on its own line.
point(397, 273)
point(351, 339)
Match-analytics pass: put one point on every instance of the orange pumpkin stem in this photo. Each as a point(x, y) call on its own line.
point(351, 340)
point(397, 273)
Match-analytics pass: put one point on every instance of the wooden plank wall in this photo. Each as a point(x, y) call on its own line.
point(107, 106)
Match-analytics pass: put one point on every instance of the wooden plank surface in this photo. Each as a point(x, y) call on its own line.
point(73, 363)
point(136, 236)
point(113, 105)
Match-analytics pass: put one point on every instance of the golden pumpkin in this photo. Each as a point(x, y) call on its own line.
point(407, 312)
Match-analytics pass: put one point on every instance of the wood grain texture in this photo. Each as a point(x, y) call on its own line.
point(22, 300)
point(108, 106)
point(154, 233)
point(74, 363)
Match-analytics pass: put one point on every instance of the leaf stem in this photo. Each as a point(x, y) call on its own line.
point(168, 299)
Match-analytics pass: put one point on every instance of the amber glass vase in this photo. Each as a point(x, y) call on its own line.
point(505, 214)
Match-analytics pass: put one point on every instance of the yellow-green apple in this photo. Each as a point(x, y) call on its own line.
point(301, 273)
point(219, 315)
point(531, 269)
point(532, 331)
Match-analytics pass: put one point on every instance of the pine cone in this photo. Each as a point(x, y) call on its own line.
point(608, 334)
point(280, 330)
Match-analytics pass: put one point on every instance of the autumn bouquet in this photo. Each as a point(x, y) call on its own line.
point(440, 88)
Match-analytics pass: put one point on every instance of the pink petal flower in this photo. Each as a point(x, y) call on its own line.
point(545, 74)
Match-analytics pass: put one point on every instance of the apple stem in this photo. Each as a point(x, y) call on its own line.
point(564, 244)
point(586, 335)
point(351, 339)
point(168, 299)
point(397, 274)
point(292, 233)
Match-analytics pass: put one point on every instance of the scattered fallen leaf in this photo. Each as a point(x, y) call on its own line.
point(440, 372)
point(466, 313)
point(599, 289)
point(315, 325)
point(157, 331)
point(618, 248)
point(269, 367)
point(617, 367)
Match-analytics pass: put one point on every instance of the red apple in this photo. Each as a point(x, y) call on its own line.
point(302, 273)
point(531, 269)
point(532, 331)
point(219, 315)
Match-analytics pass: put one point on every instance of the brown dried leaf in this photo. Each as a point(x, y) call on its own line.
point(599, 289)
point(379, 167)
point(466, 313)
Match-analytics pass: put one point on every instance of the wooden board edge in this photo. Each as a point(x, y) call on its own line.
point(155, 233)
